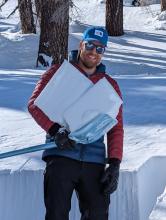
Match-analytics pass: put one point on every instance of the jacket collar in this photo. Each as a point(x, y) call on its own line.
point(74, 56)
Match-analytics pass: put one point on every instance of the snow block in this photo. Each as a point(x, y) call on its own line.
point(151, 182)
point(159, 211)
point(78, 100)
point(101, 98)
point(64, 88)
point(138, 190)
point(22, 193)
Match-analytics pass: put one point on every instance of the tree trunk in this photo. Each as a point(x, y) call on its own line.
point(54, 32)
point(114, 17)
point(38, 5)
point(163, 5)
point(26, 16)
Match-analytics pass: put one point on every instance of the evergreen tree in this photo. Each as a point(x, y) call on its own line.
point(114, 17)
point(53, 45)
point(26, 16)
point(163, 5)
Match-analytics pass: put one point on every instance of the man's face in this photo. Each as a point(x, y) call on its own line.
point(89, 56)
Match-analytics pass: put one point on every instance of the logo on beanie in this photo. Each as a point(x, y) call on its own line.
point(99, 33)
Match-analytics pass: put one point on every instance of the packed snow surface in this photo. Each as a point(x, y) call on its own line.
point(137, 61)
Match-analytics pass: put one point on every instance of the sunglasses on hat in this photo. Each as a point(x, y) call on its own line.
point(90, 46)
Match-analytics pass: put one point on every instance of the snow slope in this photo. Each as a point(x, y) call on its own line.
point(137, 61)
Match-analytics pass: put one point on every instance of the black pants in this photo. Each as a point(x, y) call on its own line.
point(62, 176)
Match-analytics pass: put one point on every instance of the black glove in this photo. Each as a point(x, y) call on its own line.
point(110, 176)
point(54, 129)
point(60, 136)
point(63, 141)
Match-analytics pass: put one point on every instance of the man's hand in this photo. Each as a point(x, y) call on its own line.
point(62, 140)
point(110, 177)
point(60, 136)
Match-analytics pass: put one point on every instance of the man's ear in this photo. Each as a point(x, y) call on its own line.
point(81, 45)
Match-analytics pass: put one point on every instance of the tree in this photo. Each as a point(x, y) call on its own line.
point(114, 17)
point(38, 4)
point(3, 3)
point(163, 5)
point(53, 45)
point(26, 16)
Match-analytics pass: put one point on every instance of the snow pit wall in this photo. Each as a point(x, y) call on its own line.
point(138, 190)
point(151, 182)
point(159, 211)
point(22, 193)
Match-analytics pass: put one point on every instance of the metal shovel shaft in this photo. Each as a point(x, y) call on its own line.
point(27, 150)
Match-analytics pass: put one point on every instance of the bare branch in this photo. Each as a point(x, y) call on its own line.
point(75, 11)
point(4, 2)
point(13, 12)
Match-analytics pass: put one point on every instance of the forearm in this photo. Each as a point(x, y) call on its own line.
point(115, 139)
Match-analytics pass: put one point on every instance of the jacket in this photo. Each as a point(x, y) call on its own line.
point(93, 152)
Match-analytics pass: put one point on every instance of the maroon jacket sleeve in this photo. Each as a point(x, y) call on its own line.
point(40, 117)
point(115, 135)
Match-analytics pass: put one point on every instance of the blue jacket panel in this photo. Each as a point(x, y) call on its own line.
point(94, 152)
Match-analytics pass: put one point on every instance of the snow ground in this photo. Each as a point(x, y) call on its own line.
point(137, 61)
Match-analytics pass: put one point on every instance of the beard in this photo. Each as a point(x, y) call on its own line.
point(89, 64)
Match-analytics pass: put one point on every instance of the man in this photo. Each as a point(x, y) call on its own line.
point(80, 167)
